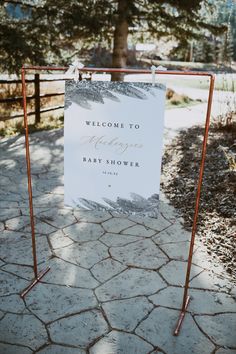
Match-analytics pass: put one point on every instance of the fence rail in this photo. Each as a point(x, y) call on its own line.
point(30, 97)
point(36, 97)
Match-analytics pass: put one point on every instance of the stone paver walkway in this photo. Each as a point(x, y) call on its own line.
point(115, 284)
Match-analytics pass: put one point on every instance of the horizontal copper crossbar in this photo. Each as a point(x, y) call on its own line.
point(123, 71)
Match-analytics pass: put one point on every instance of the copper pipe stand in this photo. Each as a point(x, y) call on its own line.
point(186, 297)
point(181, 317)
point(34, 282)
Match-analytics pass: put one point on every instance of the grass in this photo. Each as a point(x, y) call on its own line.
point(225, 79)
point(10, 128)
point(222, 83)
point(48, 123)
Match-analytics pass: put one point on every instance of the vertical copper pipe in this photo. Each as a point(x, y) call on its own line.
point(27, 152)
point(198, 194)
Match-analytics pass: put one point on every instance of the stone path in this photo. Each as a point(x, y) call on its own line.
point(115, 284)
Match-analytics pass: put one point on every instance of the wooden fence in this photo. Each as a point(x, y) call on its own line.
point(45, 93)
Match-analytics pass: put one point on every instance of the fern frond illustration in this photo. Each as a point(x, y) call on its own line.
point(85, 92)
point(137, 205)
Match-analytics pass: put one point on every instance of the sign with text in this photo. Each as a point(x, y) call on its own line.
point(113, 146)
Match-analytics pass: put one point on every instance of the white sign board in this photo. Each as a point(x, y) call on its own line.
point(113, 146)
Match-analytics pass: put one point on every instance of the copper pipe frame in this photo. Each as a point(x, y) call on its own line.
point(186, 297)
point(37, 276)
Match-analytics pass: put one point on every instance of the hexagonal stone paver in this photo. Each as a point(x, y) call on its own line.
point(116, 225)
point(209, 280)
point(8, 213)
point(13, 349)
point(226, 351)
point(19, 186)
point(58, 349)
point(204, 260)
point(106, 269)
point(95, 216)
point(233, 291)
point(37, 210)
point(178, 251)
point(171, 297)
point(5, 181)
point(158, 329)
point(11, 284)
point(64, 273)
point(12, 303)
point(18, 222)
point(143, 253)
point(158, 224)
point(217, 328)
point(24, 251)
point(118, 214)
point(139, 230)
point(11, 197)
point(49, 200)
point(209, 302)
point(25, 272)
point(122, 343)
point(84, 232)
point(5, 204)
point(50, 185)
point(201, 301)
point(50, 302)
point(111, 239)
point(1, 226)
point(168, 211)
point(57, 217)
point(85, 255)
point(78, 330)
point(41, 228)
point(10, 237)
point(130, 283)
point(174, 233)
point(126, 314)
point(58, 239)
point(175, 272)
point(23, 330)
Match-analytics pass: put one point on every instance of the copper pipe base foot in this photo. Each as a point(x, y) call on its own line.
point(34, 282)
point(181, 317)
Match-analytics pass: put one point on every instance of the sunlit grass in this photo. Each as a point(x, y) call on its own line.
point(47, 123)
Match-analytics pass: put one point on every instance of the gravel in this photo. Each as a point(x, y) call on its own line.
point(217, 214)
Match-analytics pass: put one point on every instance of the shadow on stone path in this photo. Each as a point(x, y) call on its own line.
point(115, 284)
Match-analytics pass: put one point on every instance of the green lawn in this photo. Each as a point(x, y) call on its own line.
point(224, 82)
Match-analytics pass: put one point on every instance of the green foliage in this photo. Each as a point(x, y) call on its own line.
point(218, 47)
point(43, 32)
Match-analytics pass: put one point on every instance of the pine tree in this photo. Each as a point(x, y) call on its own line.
point(228, 47)
point(225, 43)
point(49, 31)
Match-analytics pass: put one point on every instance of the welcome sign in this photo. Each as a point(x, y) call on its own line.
point(113, 146)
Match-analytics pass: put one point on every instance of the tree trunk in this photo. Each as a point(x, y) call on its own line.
point(120, 47)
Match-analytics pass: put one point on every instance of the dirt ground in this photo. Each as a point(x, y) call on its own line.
point(217, 218)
